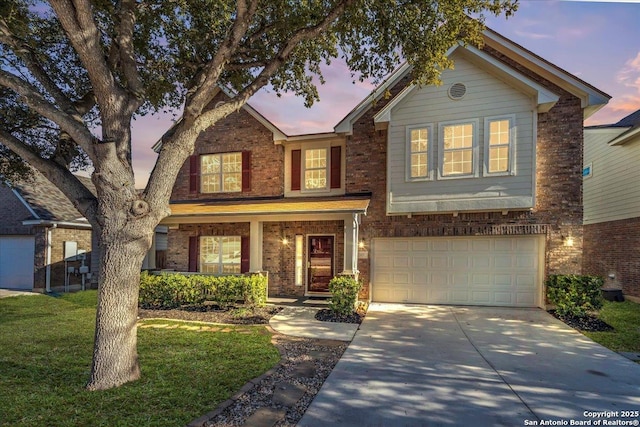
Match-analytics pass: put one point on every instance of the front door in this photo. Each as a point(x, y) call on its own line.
point(320, 263)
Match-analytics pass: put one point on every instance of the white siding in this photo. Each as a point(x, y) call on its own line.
point(612, 192)
point(486, 96)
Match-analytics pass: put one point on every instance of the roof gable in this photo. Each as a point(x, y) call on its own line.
point(592, 99)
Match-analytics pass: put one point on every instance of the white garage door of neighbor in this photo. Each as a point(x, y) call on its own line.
point(495, 271)
point(16, 262)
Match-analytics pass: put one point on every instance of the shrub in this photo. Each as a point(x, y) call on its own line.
point(166, 291)
point(344, 290)
point(575, 295)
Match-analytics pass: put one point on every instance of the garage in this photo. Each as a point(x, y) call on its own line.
point(16, 262)
point(478, 270)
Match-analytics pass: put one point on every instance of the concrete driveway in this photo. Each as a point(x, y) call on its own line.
point(479, 366)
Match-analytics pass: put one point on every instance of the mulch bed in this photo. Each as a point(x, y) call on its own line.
point(327, 315)
point(589, 323)
point(215, 314)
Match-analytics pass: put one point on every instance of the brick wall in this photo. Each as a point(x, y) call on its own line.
point(239, 132)
point(58, 266)
point(614, 248)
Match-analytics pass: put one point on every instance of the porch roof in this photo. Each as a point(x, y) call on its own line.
point(271, 207)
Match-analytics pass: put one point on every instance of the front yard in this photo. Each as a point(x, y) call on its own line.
point(625, 319)
point(45, 357)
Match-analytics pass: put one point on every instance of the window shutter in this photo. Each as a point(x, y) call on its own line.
point(244, 254)
point(193, 253)
point(336, 163)
point(246, 171)
point(194, 173)
point(296, 166)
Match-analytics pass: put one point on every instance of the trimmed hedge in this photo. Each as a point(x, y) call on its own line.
point(575, 295)
point(172, 290)
point(344, 290)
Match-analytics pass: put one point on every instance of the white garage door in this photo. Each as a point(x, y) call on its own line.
point(497, 271)
point(16, 262)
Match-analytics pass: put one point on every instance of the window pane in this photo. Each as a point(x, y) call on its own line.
point(316, 158)
point(458, 136)
point(499, 132)
point(232, 162)
point(499, 159)
point(458, 162)
point(232, 182)
point(209, 255)
point(210, 164)
point(230, 254)
point(210, 183)
point(418, 165)
point(315, 179)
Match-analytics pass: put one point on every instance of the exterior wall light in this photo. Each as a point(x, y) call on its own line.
point(285, 241)
point(568, 241)
point(361, 244)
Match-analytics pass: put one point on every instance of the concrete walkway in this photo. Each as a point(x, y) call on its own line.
point(5, 293)
point(439, 365)
point(301, 322)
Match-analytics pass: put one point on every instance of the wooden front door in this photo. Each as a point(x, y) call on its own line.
point(320, 263)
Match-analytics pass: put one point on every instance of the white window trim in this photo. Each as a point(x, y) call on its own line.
point(221, 174)
point(303, 169)
point(475, 172)
point(512, 139)
point(430, 144)
point(220, 264)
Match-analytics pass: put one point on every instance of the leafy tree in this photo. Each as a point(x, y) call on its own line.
point(75, 73)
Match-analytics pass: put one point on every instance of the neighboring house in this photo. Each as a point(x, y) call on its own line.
point(42, 238)
point(469, 192)
point(612, 203)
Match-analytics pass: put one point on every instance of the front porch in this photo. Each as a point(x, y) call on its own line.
point(301, 243)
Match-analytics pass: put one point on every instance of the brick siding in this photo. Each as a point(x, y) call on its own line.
point(239, 132)
point(614, 248)
point(59, 235)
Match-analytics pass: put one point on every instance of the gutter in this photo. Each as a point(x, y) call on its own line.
point(49, 223)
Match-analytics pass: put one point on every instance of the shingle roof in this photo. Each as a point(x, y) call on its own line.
point(47, 201)
point(631, 120)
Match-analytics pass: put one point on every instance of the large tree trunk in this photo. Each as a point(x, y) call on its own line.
point(115, 357)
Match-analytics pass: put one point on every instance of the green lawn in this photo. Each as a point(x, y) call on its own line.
point(45, 357)
point(625, 318)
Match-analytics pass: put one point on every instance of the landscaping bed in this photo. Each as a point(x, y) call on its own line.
point(589, 323)
point(215, 314)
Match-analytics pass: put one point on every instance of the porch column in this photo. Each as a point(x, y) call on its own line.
point(149, 261)
point(351, 228)
point(255, 244)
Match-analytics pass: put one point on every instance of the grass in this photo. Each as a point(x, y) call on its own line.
point(45, 357)
point(625, 318)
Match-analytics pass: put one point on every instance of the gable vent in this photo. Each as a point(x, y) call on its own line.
point(457, 91)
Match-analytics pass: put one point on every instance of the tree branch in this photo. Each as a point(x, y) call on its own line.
point(26, 53)
point(124, 40)
point(76, 18)
point(208, 80)
point(37, 102)
point(83, 199)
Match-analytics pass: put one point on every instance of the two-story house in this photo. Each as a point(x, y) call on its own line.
point(612, 203)
point(468, 192)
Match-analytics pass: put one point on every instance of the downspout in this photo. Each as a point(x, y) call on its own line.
point(48, 257)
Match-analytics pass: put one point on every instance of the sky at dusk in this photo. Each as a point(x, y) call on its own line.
point(599, 42)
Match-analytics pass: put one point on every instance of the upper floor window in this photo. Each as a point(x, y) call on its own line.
point(316, 169)
point(458, 142)
point(418, 152)
point(498, 145)
point(220, 172)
